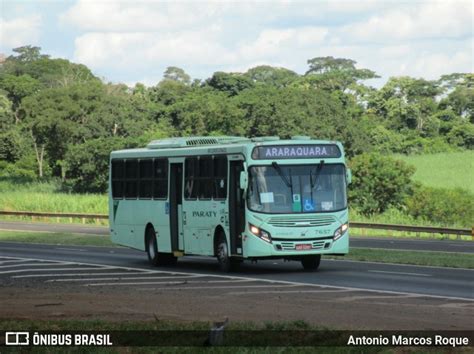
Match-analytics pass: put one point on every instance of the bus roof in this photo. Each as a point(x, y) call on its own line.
point(197, 143)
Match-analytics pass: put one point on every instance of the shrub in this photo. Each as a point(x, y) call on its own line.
point(462, 135)
point(441, 205)
point(379, 182)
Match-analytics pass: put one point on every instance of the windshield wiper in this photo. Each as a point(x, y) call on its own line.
point(318, 172)
point(282, 175)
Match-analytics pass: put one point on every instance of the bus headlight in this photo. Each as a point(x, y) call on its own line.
point(264, 235)
point(341, 230)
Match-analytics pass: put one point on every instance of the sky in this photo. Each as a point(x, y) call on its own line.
point(132, 41)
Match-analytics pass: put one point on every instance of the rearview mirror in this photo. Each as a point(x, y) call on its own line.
point(348, 176)
point(244, 180)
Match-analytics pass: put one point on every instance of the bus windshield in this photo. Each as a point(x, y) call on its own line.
point(279, 189)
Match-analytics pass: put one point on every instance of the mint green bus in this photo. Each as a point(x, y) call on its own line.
point(232, 198)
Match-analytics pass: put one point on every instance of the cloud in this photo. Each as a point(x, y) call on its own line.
point(20, 31)
point(420, 20)
point(271, 42)
point(145, 49)
point(142, 38)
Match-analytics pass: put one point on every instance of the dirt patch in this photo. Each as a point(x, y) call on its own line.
point(340, 309)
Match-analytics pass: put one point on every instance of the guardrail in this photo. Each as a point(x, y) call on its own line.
point(71, 216)
point(360, 225)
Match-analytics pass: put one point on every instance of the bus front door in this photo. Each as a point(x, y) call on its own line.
point(236, 208)
point(176, 204)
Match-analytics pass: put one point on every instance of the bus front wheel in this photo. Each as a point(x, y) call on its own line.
point(226, 262)
point(311, 263)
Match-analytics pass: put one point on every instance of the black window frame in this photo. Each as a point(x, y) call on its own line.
point(117, 179)
point(163, 178)
point(194, 193)
point(148, 179)
point(206, 177)
point(218, 177)
point(133, 179)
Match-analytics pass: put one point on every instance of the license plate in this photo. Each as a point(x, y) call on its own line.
point(303, 247)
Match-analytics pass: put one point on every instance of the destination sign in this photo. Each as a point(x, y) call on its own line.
point(271, 152)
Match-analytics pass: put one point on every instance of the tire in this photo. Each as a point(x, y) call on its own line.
point(151, 247)
point(311, 263)
point(154, 257)
point(226, 262)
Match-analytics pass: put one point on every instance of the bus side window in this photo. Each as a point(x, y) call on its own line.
point(205, 178)
point(118, 167)
point(220, 177)
point(160, 187)
point(131, 179)
point(146, 179)
point(190, 180)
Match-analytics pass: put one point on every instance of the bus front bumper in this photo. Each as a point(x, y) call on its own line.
point(254, 247)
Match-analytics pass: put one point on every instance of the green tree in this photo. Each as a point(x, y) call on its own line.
point(230, 83)
point(205, 112)
point(17, 88)
point(88, 163)
point(270, 75)
point(379, 182)
point(335, 73)
point(177, 74)
point(407, 103)
point(55, 118)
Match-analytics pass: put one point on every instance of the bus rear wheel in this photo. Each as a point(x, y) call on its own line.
point(226, 262)
point(151, 246)
point(311, 263)
point(154, 257)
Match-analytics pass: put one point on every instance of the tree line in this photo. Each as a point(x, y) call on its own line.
point(59, 120)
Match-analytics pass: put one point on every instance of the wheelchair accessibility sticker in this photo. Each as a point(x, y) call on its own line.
point(308, 205)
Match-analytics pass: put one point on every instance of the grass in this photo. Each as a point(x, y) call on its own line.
point(440, 259)
point(444, 170)
point(434, 259)
point(58, 238)
point(48, 197)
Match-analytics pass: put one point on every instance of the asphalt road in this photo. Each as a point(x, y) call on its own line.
point(434, 282)
point(361, 242)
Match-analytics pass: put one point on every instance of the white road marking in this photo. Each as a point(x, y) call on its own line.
point(45, 270)
point(13, 261)
point(70, 249)
point(321, 291)
point(324, 286)
point(125, 278)
point(396, 296)
point(34, 265)
point(214, 287)
point(400, 273)
point(405, 250)
point(395, 264)
point(77, 274)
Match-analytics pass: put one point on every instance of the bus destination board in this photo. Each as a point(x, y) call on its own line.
point(270, 152)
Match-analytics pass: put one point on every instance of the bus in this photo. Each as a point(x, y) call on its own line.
point(232, 198)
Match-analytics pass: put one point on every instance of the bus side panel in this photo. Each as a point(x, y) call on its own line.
point(150, 212)
point(158, 214)
point(122, 226)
